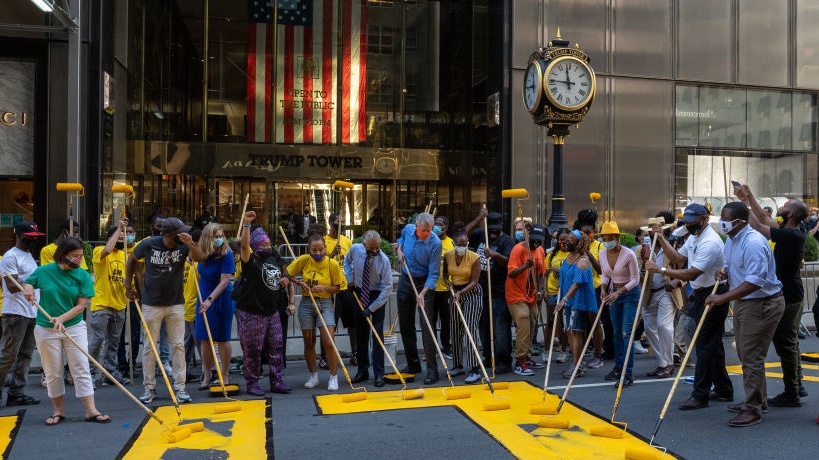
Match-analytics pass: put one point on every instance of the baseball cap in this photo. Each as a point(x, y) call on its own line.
point(693, 212)
point(538, 232)
point(172, 224)
point(494, 220)
point(28, 229)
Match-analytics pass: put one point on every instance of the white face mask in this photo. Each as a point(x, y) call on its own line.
point(728, 226)
point(609, 245)
point(461, 250)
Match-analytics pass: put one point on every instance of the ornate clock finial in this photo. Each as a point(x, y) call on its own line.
point(558, 33)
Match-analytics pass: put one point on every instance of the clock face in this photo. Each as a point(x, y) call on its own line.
point(570, 83)
point(385, 165)
point(532, 88)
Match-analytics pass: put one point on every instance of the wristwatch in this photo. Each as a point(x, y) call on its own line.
point(662, 270)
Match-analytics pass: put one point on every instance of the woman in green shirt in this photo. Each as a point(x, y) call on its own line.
point(64, 293)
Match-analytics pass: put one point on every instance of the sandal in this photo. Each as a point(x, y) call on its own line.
point(55, 420)
point(99, 418)
point(204, 386)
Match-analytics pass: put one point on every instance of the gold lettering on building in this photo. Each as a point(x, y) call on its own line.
point(12, 118)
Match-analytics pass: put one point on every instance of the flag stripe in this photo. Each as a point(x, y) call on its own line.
point(328, 134)
point(251, 81)
point(261, 91)
point(362, 72)
point(346, 71)
point(268, 84)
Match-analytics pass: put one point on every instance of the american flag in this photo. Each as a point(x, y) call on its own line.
point(259, 70)
point(308, 100)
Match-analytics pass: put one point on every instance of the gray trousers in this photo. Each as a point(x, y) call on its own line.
point(104, 328)
point(16, 347)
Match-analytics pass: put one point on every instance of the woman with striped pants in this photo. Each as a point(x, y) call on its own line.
point(462, 271)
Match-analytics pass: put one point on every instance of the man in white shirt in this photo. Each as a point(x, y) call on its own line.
point(17, 342)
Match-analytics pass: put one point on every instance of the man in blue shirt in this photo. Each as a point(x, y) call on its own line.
point(758, 308)
point(369, 275)
point(420, 250)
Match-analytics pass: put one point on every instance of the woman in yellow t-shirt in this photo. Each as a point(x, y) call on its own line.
point(322, 277)
point(462, 270)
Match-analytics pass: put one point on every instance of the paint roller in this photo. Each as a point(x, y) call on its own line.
point(452, 392)
point(405, 394)
point(71, 187)
point(489, 297)
point(341, 186)
point(226, 390)
point(356, 395)
point(242, 216)
point(607, 430)
point(682, 368)
point(128, 191)
point(633, 453)
point(150, 338)
point(551, 409)
point(179, 432)
point(541, 407)
point(397, 377)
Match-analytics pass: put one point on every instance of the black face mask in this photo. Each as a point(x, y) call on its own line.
point(30, 244)
point(493, 235)
point(785, 215)
point(694, 228)
point(334, 226)
point(534, 243)
point(569, 247)
point(372, 253)
point(119, 245)
point(155, 232)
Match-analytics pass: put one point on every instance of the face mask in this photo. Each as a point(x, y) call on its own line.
point(177, 241)
point(785, 215)
point(29, 244)
point(218, 242)
point(680, 232)
point(155, 232)
point(519, 235)
point(460, 250)
point(728, 226)
point(493, 235)
point(609, 245)
point(119, 245)
point(264, 253)
point(534, 243)
point(694, 228)
point(438, 230)
point(421, 235)
point(334, 226)
point(812, 217)
point(590, 235)
point(372, 253)
point(72, 262)
point(554, 243)
point(569, 247)
point(130, 239)
point(317, 257)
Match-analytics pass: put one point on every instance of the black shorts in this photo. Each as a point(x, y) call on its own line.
point(345, 304)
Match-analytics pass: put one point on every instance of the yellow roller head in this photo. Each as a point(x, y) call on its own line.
point(353, 397)
point(224, 408)
point(69, 187)
point(515, 193)
point(343, 184)
point(643, 454)
point(543, 408)
point(497, 386)
point(412, 394)
point(457, 393)
point(496, 405)
point(607, 431)
point(554, 422)
point(122, 188)
point(178, 435)
point(194, 427)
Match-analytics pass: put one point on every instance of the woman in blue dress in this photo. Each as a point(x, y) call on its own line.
point(215, 273)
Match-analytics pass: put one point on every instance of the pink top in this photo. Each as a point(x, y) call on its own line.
point(624, 271)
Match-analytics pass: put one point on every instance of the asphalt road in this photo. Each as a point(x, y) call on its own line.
point(443, 432)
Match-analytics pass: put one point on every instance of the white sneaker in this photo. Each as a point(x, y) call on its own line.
point(563, 357)
point(332, 384)
point(312, 382)
point(639, 349)
point(168, 368)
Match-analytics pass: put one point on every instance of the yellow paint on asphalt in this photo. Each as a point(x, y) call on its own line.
point(516, 428)
point(737, 369)
point(237, 435)
point(8, 430)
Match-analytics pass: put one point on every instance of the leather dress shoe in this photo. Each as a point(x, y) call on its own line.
point(379, 382)
point(655, 372)
point(410, 369)
point(745, 418)
point(714, 396)
point(665, 372)
point(740, 407)
point(360, 377)
point(432, 377)
point(693, 403)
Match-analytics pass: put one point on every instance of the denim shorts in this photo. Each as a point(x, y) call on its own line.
point(308, 317)
point(574, 320)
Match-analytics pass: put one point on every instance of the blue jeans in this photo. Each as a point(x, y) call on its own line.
point(622, 313)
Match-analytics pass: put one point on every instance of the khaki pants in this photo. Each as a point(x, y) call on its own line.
point(174, 317)
point(755, 321)
point(524, 315)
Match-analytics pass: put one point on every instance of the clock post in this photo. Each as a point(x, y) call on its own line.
point(558, 89)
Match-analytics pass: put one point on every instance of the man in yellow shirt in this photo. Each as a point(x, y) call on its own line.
point(337, 246)
point(108, 305)
point(47, 253)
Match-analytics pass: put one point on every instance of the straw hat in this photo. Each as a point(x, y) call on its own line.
point(610, 228)
point(656, 220)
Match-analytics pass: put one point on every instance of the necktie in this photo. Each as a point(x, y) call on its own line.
point(365, 282)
